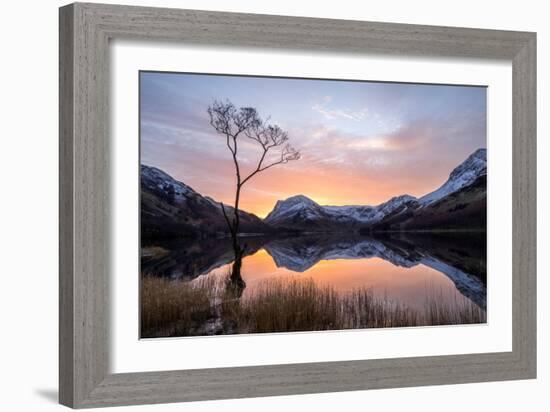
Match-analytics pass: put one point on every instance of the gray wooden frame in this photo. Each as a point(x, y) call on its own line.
point(85, 31)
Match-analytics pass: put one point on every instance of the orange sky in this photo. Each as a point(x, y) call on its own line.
point(363, 179)
point(361, 142)
point(324, 184)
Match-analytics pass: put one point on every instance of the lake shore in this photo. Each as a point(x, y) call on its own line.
point(208, 307)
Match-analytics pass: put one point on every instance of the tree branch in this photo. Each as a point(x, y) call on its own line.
point(227, 120)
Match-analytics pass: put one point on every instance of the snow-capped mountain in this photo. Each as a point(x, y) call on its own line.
point(297, 207)
point(301, 209)
point(154, 179)
point(170, 208)
point(463, 175)
point(367, 214)
point(303, 213)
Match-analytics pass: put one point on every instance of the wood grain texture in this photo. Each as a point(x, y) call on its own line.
point(85, 31)
point(524, 225)
point(66, 109)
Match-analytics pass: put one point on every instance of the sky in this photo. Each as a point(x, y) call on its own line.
point(361, 143)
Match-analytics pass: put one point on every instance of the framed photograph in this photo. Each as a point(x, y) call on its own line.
point(256, 205)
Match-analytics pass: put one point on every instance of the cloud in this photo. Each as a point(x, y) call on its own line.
point(416, 157)
point(388, 144)
point(330, 114)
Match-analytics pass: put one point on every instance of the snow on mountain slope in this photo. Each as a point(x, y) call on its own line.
point(463, 175)
point(299, 208)
point(296, 207)
point(168, 205)
point(155, 179)
point(395, 205)
point(302, 213)
point(351, 213)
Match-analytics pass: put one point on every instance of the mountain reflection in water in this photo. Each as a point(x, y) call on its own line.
point(404, 267)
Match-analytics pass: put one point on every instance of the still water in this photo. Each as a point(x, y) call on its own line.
point(406, 269)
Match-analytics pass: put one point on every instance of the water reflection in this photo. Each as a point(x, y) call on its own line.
point(404, 268)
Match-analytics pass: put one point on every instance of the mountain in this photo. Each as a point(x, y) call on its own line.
point(302, 212)
point(459, 203)
point(170, 208)
point(462, 176)
point(465, 208)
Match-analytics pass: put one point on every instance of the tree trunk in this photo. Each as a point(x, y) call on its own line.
point(237, 283)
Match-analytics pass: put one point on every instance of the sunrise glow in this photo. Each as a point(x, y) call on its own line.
point(361, 142)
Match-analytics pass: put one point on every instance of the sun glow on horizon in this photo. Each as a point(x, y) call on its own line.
point(361, 143)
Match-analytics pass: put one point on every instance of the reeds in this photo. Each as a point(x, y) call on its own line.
point(205, 306)
point(458, 311)
point(285, 306)
point(175, 308)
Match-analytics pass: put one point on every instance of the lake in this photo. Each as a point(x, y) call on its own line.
point(417, 273)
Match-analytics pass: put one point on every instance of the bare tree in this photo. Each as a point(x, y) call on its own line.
point(274, 149)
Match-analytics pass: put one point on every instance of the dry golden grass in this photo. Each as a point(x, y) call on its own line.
point(458, 311)
point(284, 306)
point(176, 308)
